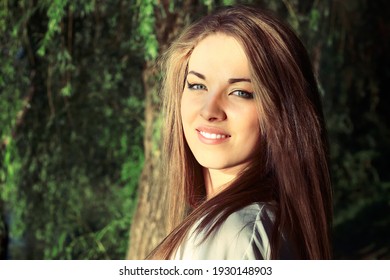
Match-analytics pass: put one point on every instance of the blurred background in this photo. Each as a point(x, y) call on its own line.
point(79, 118)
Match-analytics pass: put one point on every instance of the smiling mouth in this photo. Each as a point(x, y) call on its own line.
point(213, 135)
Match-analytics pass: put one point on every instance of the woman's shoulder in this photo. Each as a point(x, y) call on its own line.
point(243, 235)
point(248, 231)
point(248, 216)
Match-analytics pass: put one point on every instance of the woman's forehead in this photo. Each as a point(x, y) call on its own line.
point(219, 52)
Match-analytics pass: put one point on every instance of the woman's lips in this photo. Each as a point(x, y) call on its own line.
point(209, 135)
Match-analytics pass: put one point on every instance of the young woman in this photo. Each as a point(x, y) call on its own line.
point(244, 143)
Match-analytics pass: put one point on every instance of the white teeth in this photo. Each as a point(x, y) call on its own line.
point(212, 135)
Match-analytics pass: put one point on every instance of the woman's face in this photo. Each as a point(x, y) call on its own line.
point(218, 111)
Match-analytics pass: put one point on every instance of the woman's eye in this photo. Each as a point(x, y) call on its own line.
point(196, 86)
point(243, 94)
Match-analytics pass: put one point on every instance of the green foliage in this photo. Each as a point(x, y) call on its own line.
point(71, 121)
point(228, 2)
point(55, 13)
point(352, 79)
point(146, 29)
point(9, 184)
point(13, 101)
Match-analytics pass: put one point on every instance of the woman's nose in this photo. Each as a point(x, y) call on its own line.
point(213, 108)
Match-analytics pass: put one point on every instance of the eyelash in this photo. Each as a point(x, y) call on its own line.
point(193, 86)
point(242, 93)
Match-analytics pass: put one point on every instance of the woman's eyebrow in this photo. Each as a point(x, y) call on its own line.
point(230, 81)
point(238, 80)
point(201, 76)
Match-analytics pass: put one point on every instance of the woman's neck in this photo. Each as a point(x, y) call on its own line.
point(217, 180)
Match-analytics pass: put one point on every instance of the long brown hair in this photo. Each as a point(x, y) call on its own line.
point(291, 167)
